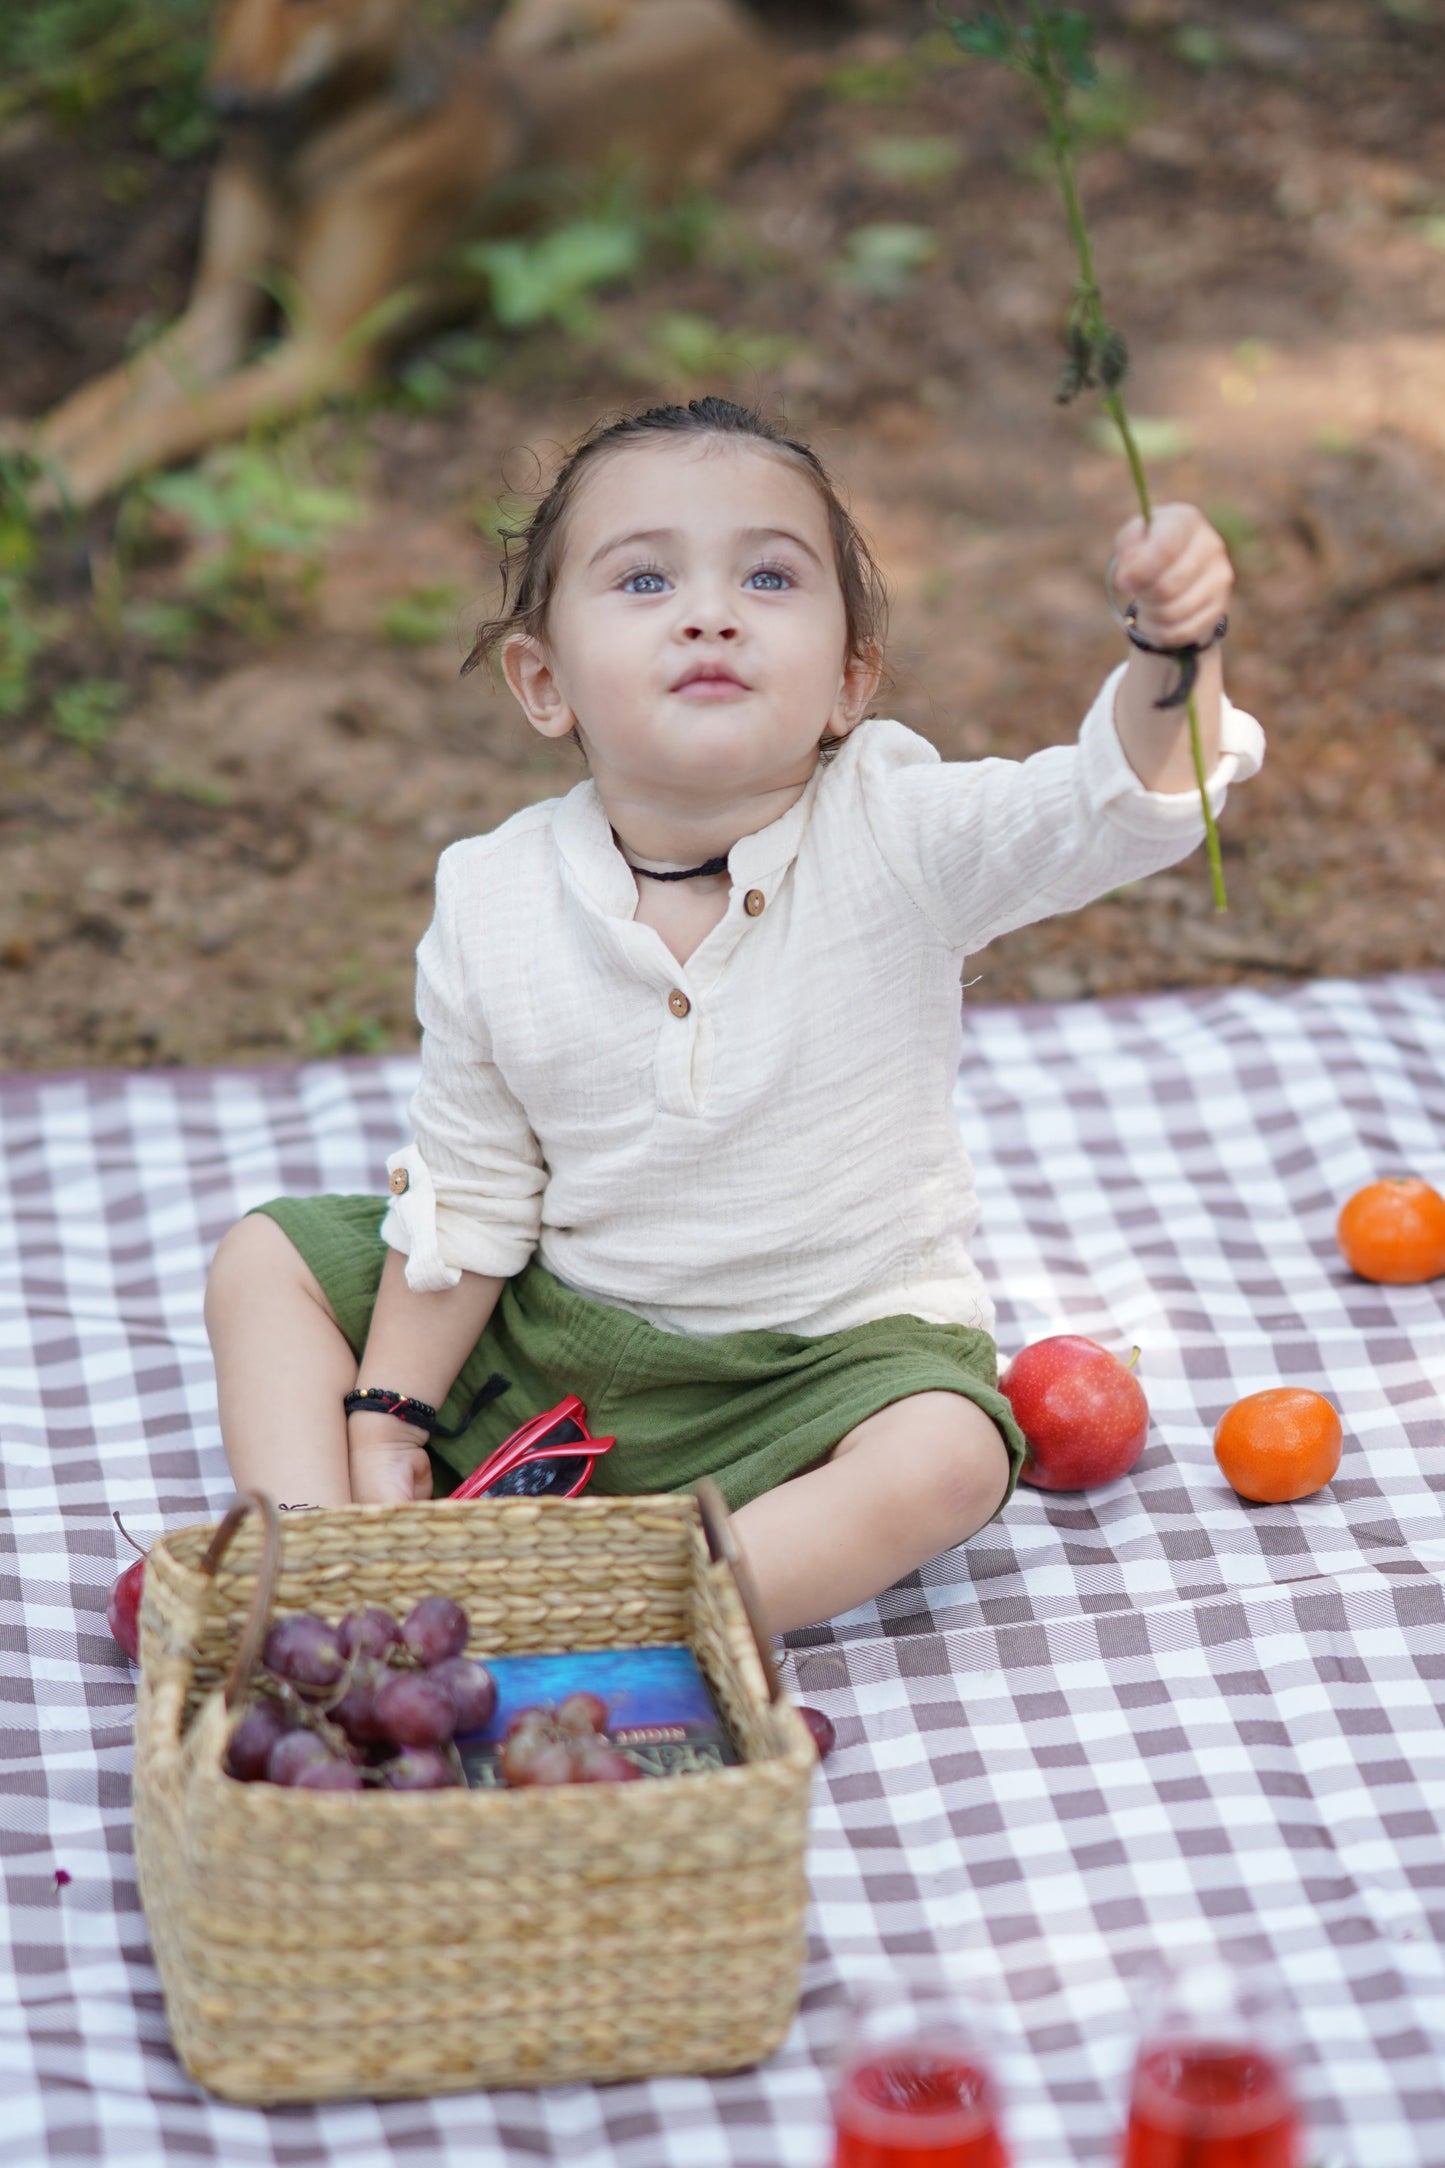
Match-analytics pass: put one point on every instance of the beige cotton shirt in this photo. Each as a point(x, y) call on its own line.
point(764, 1136)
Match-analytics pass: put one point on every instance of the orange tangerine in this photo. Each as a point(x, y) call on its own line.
point(1278, 1445)
point(1394, 1231)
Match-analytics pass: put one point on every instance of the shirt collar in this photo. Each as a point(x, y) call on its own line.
point(600, 874)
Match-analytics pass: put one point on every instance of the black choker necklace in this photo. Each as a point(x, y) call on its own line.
point(685, 873)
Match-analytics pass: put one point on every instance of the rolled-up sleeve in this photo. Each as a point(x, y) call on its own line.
point(466, 1192)
point(985, 846)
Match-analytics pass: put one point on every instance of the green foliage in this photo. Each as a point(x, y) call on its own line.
point(467, 354)
point(1096, 359)
point(1199, 46)
point(339, 1030)
point(883, 259)
point(21, 641)
point(602, 235)
point(687, 343)
point(1062, 35)
point(1239, 533)
point(125, 182)
point(687, 228)
point(872, 82)
point(421, 616)
point(23, 635)
point(168, 627)
point(17, 522)
point(914, 161)
point(76, 57)
point(424, 385)
point(497, 517)
point(550, 280)
point(87, 711)
point(207, 790)
point(988, 37)
point(265, 520)
point(1109, 109)
point(428, 381)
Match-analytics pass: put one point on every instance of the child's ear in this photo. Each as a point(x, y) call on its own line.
point(527, 668)
point(856, 688)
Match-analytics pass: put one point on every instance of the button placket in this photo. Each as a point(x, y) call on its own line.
point(678, 1046)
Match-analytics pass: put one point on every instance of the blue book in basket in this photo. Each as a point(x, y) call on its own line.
point(660, 1711)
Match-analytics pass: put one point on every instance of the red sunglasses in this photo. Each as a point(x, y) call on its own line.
point(541, 1459)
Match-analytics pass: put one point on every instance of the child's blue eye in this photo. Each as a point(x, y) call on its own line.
point(771, 572)
point(644, 574)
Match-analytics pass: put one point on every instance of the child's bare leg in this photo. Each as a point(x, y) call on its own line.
point(911, 1481)
point(283, 1366)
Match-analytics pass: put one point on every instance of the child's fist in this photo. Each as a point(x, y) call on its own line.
point(388, 1471)
point(1177, 570)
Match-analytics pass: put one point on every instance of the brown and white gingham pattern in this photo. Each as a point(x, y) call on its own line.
point(1121, 1724)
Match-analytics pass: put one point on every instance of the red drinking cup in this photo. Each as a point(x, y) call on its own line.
point(915, 2086)
point(1211, 2085)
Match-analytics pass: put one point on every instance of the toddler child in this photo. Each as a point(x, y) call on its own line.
point(684, 1132)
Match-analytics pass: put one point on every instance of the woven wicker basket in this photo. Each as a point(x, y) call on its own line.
point(318, 1945)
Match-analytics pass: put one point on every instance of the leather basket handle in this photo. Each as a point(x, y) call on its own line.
point(723, 1544)
point(254, 1634)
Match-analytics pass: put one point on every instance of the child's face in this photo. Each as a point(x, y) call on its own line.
point(705, 556)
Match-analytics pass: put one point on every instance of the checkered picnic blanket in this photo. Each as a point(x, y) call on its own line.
point(1137, 1720)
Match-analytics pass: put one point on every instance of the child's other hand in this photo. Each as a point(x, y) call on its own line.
point(388, 1468)
point(1177, 569)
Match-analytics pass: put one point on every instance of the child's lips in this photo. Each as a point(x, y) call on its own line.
point(711, 688)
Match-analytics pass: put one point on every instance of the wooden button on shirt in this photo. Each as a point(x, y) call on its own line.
point(678, 1002)
point(755, 903)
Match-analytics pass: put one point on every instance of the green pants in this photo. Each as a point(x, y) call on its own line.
point(749, 1409)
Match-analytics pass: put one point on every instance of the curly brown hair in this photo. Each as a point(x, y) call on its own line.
point(529, 581)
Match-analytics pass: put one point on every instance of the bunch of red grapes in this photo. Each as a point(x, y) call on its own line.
point(366, 1702)
point(565, 1745)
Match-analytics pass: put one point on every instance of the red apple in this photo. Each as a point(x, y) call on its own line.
point(123, 1610)
point(1083, 1413)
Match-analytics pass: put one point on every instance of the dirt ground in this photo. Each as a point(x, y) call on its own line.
point(241, 869)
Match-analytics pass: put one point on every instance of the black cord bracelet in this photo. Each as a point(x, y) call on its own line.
point(378, 1400)
point(1186, 657)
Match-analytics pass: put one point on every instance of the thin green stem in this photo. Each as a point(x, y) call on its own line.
point(1058, 119)
point(1041, 66)
point(1211, 828)
point(1113, 406)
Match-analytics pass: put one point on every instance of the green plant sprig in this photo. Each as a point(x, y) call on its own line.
point(1054, 51)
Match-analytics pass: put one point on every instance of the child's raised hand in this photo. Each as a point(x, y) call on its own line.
point(1178, 571)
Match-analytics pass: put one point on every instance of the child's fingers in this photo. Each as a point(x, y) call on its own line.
point(390, 1475)
point(1191, 617)
point(1147, 554)
point(1203, 558)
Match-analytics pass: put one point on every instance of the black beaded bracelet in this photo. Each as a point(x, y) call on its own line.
point(378, 1400)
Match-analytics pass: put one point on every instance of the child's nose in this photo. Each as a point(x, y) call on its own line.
point(709, 611)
